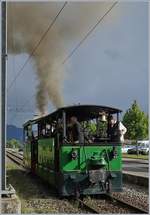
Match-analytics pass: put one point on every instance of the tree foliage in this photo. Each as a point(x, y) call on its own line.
point(136, 122)
point(98, 127)
point(13, 143)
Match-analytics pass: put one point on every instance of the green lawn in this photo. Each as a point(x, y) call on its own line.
point(144, 157)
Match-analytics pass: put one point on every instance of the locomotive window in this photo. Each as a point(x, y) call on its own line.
point(25, 135)
point(29, 130)
point(34, 130)
point(41, 130)
point(48, 129)
point(45, 129)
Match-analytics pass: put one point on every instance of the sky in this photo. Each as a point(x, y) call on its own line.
point(110, 68)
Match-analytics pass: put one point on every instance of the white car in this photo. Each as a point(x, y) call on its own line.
point(144, 148)
point(126, 147)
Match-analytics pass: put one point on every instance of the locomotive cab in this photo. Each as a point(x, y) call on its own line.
point(91, 166)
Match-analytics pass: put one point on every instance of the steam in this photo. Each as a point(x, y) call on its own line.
point(27, 21)
point(26, 30)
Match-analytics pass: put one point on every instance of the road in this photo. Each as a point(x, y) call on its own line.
point(136, 166)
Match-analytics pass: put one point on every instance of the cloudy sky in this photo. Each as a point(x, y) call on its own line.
point(109, 68)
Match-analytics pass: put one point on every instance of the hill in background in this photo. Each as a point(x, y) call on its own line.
point(14, 132)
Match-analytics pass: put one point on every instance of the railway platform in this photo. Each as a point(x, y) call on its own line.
point(135, 167)
point(136, 170)
point(133, 160)
point(10, 205)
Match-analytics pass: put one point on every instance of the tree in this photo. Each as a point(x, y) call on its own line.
point(136, 122)
point(13, 143)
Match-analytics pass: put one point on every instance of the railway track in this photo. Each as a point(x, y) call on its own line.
point(87, 207)
point(114, 200)
point(18, 159)
point(128, 205)
point(15, 157)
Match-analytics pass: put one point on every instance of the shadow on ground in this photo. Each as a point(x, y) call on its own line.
point(28, 186)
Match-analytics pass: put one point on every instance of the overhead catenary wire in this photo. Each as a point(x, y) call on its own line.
point(77, 46)
point(82, 40)
point(88, 33)
point(22, 106)
point(20, 115)
point(33, 51)
point(19, 110)
point(36, 46)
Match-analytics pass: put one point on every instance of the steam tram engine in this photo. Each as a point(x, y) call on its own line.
point(91, 167)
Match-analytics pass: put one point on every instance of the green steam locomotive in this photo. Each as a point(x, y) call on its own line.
point(92, 165)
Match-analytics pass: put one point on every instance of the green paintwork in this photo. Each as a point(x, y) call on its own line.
point(45, 165)
point(98, 161)
point(74, 170)
point(84, 158)
point(46, 152)
point(27, 155)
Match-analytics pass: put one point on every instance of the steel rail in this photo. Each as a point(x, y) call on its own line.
point(17, 159)
point(16, 154)
point(127, 204)
point(113, 199)
point(88, 207)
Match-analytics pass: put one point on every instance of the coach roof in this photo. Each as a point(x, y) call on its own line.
point(83, 112)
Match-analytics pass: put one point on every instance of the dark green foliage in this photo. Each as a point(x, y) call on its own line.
point(99, 129)
point(89, 127)
point(136, 122)
point(102, 129)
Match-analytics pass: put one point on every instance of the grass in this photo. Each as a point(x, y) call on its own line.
point(144, 157)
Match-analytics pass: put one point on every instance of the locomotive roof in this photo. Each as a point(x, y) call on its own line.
point(82, 112)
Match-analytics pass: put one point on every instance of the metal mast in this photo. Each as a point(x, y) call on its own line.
point(3, 94)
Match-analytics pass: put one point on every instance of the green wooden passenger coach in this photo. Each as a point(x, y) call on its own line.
point(91, 167)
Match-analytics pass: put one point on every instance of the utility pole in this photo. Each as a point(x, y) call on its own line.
point(6, 205)
point(3, 94)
